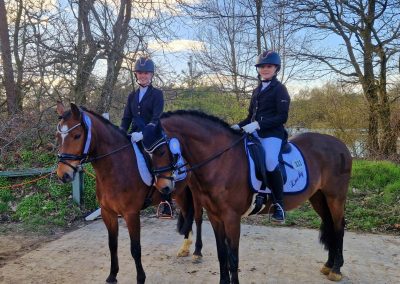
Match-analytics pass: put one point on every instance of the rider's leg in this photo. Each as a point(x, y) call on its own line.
point(272, 147)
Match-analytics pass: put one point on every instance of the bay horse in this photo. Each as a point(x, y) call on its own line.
point(85, 136)
point(216, 155)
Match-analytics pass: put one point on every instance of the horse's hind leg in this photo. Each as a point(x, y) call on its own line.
point(336, 206)
point(133, 224)
point(331, 232)
point(111, 222)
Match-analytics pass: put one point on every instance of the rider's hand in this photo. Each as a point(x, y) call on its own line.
point(136, 137)
point(251, 127)
point(235, 127)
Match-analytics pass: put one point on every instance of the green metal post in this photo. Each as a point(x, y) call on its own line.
point(77, 187)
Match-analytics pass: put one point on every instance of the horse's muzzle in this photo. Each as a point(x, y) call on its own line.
point(166, 190)
point(66, 178)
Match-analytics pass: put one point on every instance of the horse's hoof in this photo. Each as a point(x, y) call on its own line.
point(325, 270)
point(182, 253)
point(333, 276)
point(197, 258)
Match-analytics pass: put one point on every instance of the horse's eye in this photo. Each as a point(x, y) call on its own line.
point(161, 153)
point(77, 136)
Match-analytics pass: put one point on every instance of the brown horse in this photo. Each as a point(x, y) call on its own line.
point(219, 168)
point(83, 137)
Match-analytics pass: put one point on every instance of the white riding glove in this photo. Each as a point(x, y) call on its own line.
point(136, 137)
point(251, 127)
point(235, 127)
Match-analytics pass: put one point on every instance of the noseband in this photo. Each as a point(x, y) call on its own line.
point(65, 157)
point(172, 167)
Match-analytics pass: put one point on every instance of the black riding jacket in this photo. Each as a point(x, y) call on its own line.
point(147, 111)
point(270, 108)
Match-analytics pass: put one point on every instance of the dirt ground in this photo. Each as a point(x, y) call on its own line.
point(267, 255)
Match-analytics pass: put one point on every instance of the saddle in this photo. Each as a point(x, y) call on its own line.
point(257, 153)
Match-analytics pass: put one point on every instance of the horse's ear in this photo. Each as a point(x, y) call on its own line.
point(75, 111)
point(60, 108)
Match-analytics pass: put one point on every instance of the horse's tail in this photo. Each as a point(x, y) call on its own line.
point(186, 214)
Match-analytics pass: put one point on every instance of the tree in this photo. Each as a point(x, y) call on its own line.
point(369, 32)
point(9, 83)
point(114, 51)
point(86, 51)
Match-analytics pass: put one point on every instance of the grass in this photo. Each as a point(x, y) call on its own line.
point(46, 203)
point(373, 200)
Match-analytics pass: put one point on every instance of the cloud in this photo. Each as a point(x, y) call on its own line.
point(178, 45)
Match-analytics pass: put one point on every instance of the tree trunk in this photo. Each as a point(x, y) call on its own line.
point(372, 139)
point(19, 62)
point(86, 52)
point(389, 134)
point(258, 24)
point(12, 102)
point(115, 56)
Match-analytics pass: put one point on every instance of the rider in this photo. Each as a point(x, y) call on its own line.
point(268, 111)
point(144, 106)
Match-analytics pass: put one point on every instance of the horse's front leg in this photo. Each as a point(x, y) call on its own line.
point(232, 232)
point(198, 217)
point(220, 238)
point(133, 223)
point(111, 222)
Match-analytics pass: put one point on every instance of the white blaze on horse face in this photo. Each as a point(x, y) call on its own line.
point(64, 133)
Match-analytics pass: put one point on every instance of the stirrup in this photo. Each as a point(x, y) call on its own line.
point(273, 220)
point(160, 215)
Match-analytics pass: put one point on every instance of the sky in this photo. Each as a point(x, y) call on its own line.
point(174, 54)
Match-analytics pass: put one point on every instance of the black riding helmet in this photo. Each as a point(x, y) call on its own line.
point(269, 57)
point(144, 64)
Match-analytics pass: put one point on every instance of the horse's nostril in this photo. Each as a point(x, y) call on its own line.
point(165, 190)
point(66, 178)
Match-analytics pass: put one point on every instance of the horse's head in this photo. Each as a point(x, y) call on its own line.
point(73, 141)
point(165, 154)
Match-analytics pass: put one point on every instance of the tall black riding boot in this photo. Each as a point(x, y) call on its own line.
point(276, 184)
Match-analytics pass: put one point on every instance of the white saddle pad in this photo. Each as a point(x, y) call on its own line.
point(144, 171)
point(297, 174)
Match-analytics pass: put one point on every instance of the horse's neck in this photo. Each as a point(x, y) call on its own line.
point(202, 143)
point(106, 140)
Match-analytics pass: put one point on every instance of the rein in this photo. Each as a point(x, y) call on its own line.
point(196, 166)
point(209, 159)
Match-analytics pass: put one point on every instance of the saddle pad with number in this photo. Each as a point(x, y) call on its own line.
point(296, 170)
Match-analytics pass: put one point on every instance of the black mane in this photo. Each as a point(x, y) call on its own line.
point(202, 115)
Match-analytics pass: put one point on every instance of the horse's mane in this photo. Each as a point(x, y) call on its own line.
point(203, 116)
point(105, 121)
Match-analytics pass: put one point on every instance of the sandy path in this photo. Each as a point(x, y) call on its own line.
point(267, 255)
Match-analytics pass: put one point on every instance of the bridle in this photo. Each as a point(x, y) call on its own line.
point(179, 169)
point(175, 155)
point(86, 124)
